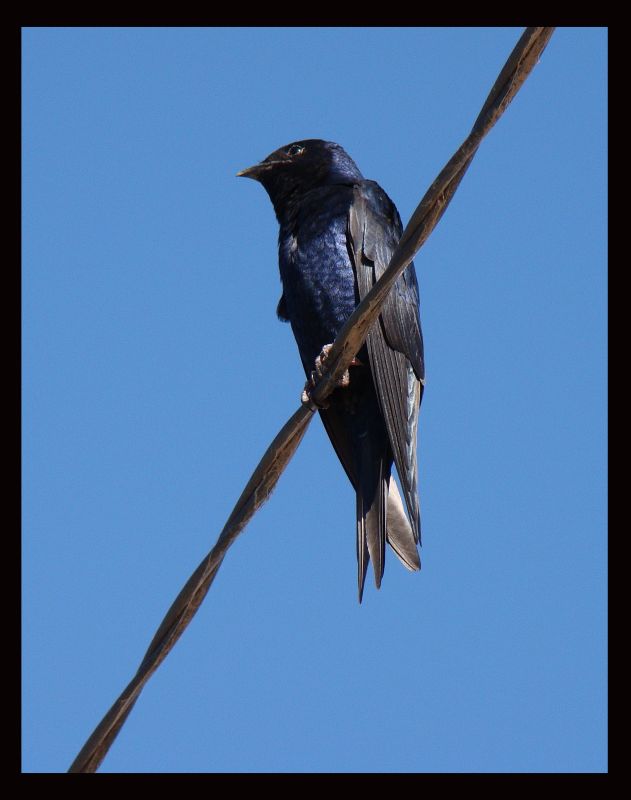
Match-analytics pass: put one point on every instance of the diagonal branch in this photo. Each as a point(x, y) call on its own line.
point(256, 492)
point(432, 206)
point(348, 343)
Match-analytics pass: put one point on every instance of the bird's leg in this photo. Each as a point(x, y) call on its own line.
point(317, 373)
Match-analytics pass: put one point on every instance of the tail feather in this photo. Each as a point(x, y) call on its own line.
point(400, 535)
point(363, 556)
point(376, 527)
point(371, 530)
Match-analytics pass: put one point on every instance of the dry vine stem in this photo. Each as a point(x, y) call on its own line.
point(348, 343)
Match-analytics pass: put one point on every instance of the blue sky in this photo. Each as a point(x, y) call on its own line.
point(155, 374)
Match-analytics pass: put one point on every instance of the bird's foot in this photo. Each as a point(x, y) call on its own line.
point(317, 374)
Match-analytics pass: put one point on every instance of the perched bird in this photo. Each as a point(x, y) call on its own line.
point(337, 234)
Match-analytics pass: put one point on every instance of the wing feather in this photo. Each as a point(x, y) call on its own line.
point(395, 344)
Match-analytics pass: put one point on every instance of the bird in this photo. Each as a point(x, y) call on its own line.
point(337, 233)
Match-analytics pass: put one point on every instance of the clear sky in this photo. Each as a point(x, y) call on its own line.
point(155, 374)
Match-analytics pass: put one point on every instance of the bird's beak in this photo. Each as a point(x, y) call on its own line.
point(254, 172)
point(258, 170)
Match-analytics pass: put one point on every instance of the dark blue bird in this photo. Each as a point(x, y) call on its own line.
point(337, 234)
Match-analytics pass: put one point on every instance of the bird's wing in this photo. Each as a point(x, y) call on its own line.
point(395, 343)
point(281, 309)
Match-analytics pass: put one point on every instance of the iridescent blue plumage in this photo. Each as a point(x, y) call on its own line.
point(318, 280)
point(337, 234)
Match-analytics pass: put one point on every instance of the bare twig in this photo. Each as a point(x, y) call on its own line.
point(348, 343)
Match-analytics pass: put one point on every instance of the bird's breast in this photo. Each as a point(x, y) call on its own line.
point(318, 281)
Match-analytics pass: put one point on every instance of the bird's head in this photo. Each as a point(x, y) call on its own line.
point(294, 169)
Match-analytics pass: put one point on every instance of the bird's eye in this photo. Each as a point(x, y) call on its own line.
point(295, 150)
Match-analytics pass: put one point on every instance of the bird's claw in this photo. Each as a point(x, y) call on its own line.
point(317, 374)
point(307, 400)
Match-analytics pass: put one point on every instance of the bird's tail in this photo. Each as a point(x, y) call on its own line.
point(400, 534)
point(380, 518)
point(371, 528)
